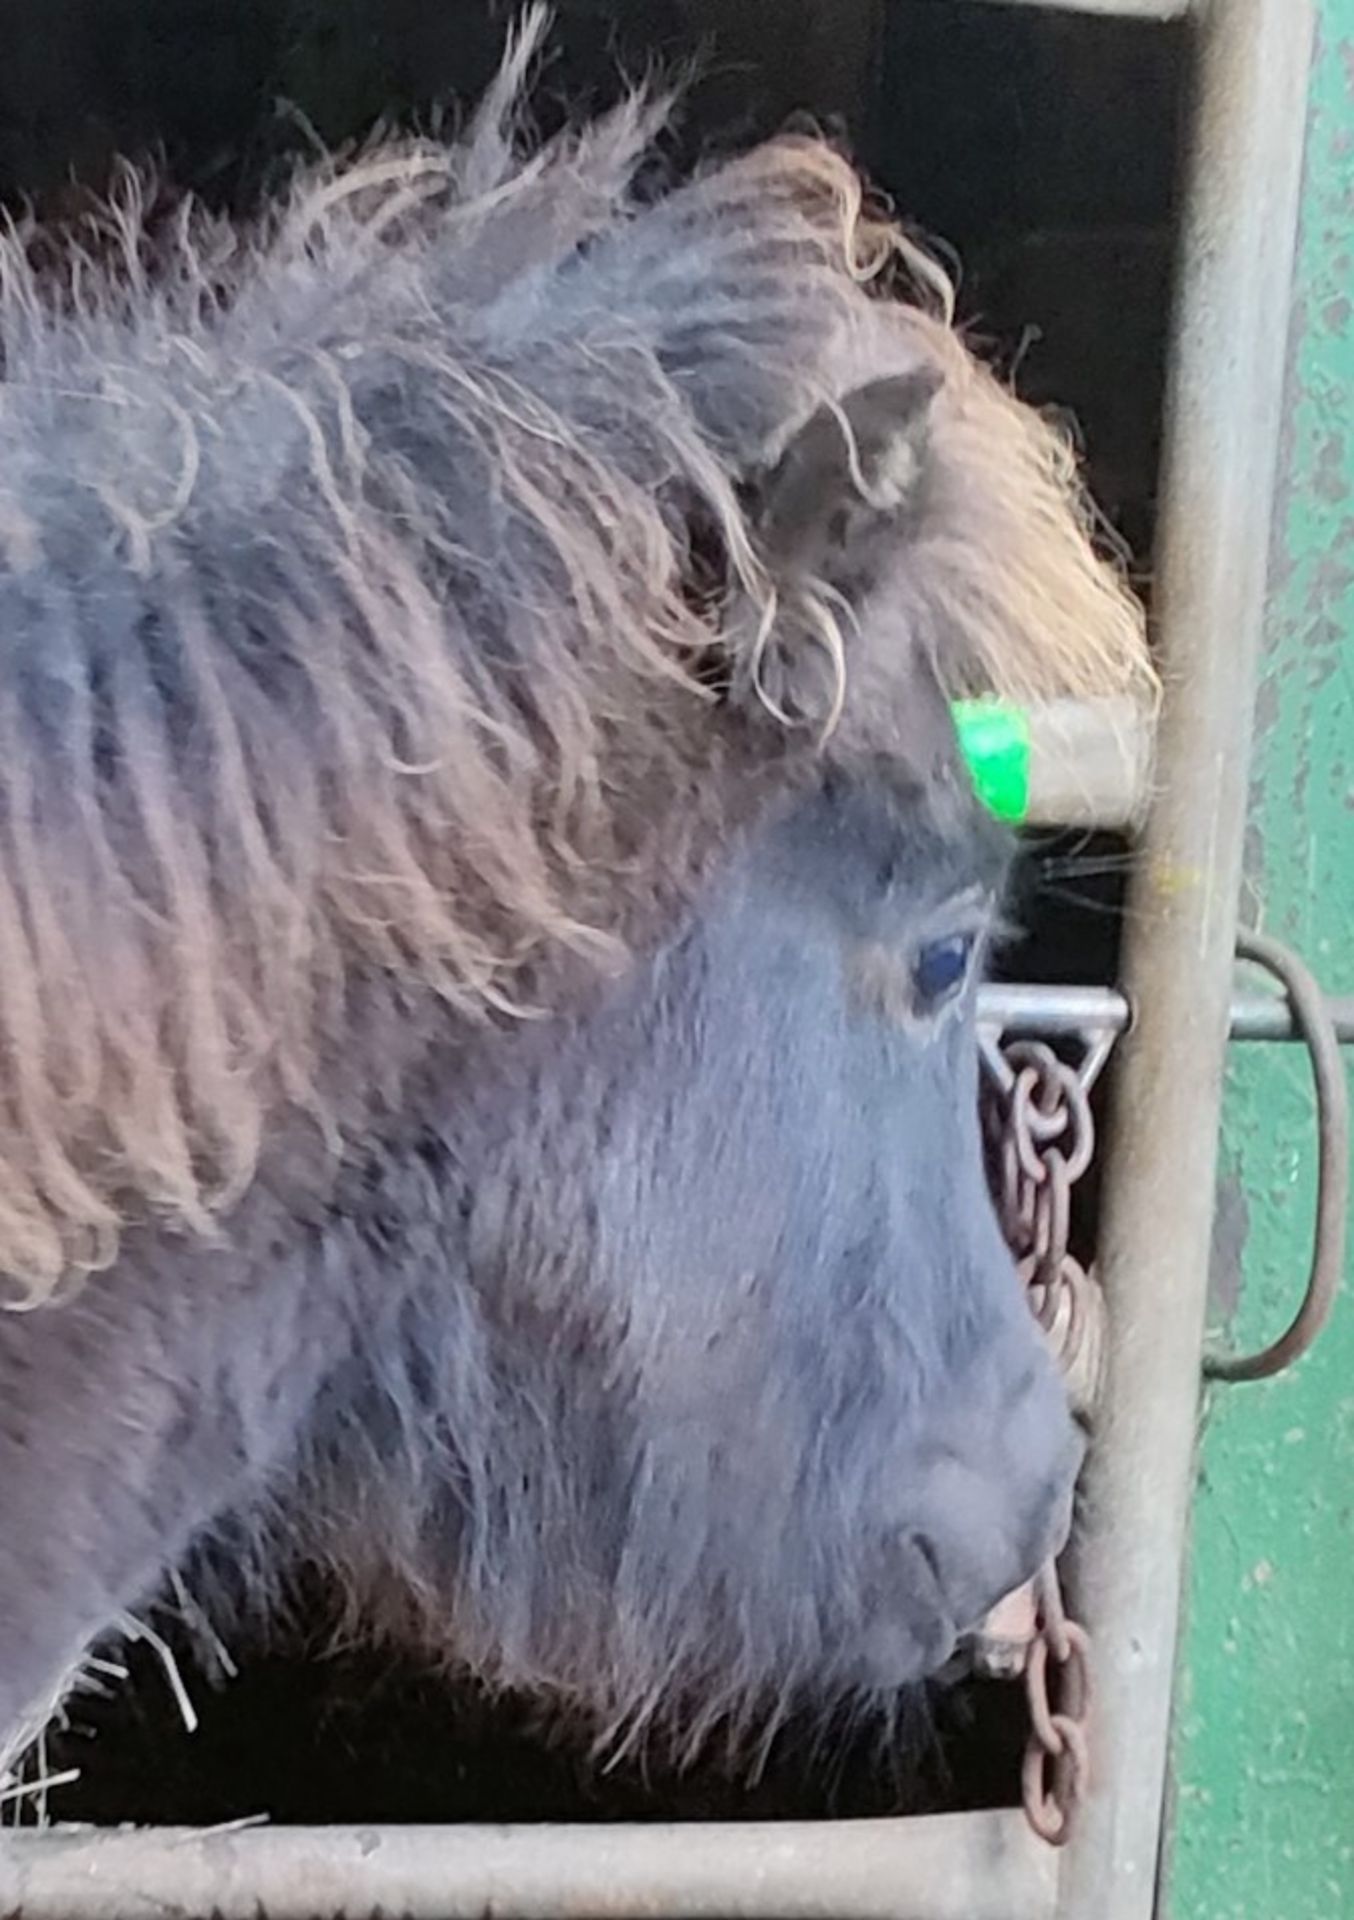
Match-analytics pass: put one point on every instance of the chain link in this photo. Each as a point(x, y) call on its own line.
point(1040, 1141)
point(1056, 1771)
point(1039, 1134)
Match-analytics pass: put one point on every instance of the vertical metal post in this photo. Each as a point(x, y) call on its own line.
point(1223, 431)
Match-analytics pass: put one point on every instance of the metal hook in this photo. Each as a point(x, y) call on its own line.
point(1312, 1016)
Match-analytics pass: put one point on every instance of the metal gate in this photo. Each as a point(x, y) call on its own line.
point(1224, 409)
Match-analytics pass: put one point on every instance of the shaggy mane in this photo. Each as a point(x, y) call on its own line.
point(345, 628)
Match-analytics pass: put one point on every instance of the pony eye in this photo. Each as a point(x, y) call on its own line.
point(940, 970)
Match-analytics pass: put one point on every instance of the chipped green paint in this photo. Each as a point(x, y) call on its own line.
point(1263, 1815)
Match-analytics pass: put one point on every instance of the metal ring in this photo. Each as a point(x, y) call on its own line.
point(1312, 1016)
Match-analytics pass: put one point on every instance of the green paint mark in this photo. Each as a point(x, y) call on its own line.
point(1264, 1756)
point(995, 741)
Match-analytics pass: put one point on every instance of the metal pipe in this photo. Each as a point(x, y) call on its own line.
point(1065, 763)
point(1113, 9)
point(1224, 411)
point(1051, 1013)
point(977, 1866)
point(1090, 764)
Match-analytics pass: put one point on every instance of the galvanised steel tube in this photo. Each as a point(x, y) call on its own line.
point(1051, 1013)
point(1224, 411)
point(1111, 9)
point(981, 1866)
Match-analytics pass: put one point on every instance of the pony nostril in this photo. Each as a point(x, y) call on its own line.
point(986, 1530)
point(925, 1550)
point(910, 1631)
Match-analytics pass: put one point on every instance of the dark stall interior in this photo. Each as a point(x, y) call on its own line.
point(1037, 150)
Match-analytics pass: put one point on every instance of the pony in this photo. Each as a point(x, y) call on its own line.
point(490, 913)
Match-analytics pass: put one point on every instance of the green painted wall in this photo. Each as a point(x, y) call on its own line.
point(1264, 1777)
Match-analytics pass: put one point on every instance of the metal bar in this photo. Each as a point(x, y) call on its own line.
point(1050, 1013)
point(981, 1866)
point(1090, 764)
point(1112, 9)
point(1224, 411)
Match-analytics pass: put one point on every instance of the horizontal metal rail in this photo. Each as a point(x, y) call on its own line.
point(1090, 764)
point(1063, 763)
point(1053, 1012)
point(1112, 9)
point(979, 1866)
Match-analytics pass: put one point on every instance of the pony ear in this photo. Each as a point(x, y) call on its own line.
point(826, 519)
point(853, 461)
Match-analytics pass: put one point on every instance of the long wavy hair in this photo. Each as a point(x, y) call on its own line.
point(352, 622)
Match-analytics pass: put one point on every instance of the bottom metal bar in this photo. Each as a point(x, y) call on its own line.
point(980, 1866)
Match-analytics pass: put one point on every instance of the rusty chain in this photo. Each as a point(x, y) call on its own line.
point(1056, 1770)
point(1039, 1134)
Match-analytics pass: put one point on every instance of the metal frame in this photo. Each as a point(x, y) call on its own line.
point(1223, 433)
